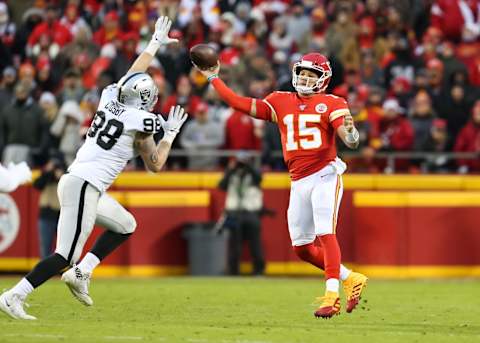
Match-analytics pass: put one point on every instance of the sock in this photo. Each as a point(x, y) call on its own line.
point(332, 256)
point(23, 287)
point(89, 263)
point(45, 269)
point(311, 253)
point(333, 285)
point(344, 272)
point(107, 243)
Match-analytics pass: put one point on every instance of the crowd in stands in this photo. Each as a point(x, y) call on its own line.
point(410, 71)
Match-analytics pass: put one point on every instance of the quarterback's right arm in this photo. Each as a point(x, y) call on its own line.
point(155, 155)
point(256, 108)
point(13, 176)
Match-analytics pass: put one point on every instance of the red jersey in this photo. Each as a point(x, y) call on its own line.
point(307, 125)
point(307, 129)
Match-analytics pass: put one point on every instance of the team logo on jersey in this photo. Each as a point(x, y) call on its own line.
point(302, 107)
point(9, 222)
point(321, 108)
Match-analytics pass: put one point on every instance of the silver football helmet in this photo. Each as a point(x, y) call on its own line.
point(138, 90)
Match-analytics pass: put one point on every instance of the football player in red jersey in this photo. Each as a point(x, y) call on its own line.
point(309, 121)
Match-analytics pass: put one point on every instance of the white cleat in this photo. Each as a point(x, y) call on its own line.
point(12, 304)
point(78, 283)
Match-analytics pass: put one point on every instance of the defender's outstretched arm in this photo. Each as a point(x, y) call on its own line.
point(154, 156)
point(159, 37)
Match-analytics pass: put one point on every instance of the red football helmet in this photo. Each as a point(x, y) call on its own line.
point(317, 63)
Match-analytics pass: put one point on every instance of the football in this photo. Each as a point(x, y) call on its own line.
point(203, 56)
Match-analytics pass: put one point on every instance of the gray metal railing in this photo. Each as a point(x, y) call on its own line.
point(389, 157)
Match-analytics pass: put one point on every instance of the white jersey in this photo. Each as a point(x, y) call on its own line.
point(109, 143)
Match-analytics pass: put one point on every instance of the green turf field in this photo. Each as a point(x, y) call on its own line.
point(246, 310)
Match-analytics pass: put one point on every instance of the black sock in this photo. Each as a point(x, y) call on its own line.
point(107, 243)
point(46, 268)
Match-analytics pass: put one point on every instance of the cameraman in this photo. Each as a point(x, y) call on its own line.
point(49, 205)
point(243, 206)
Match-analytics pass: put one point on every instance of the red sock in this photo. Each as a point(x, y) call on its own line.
point(332, 256)
point(311, 253)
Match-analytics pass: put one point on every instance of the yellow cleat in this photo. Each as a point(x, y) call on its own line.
point(330, 305)
point(353, 287)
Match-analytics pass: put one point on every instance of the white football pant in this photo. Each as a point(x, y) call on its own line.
point(313, 207)
point(82, 206)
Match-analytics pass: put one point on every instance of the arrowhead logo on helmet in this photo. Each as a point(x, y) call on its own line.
point(316, 63)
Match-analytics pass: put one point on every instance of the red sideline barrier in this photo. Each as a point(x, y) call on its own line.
point(399, 233)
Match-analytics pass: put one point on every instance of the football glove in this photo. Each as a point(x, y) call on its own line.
point(172, 125)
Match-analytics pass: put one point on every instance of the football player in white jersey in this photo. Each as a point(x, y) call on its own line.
point(123, 127)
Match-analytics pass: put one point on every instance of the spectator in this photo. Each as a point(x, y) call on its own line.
point(183, 96)
point(297, 22)
point(81, 45)
point(7, 27)
point(174, 59)
point(451, 63)
point(72, 88)
point(396, 132)
point(421, 119)
point(51, 29)
point(435, 82)
point(280, 38)
point(66, 128)
point(72, 20)
point(271, 143)
point(49, 105)
point(318, 29)
point(456, 18)
point(126, 56)
point(242, 133)
point(437, 143)
point(30, 19)
point(370, 72)
point(110, 30)
point(243, 205)
point(468, 140)
point(7, 84)
point(455, 109)
point(24, 127)
point(340, 31)
point(49, 205)
point(202, 134)
point(403, 64)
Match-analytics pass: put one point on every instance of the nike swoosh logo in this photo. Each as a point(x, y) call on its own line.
point(6, 303)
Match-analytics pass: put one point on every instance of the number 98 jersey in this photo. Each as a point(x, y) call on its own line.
point(109, 142)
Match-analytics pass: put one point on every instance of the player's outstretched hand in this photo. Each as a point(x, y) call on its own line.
point(162, 28)
point(176, 118)
point(348, 123)
point(212, 71)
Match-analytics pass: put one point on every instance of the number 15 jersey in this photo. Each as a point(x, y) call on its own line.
point(307, 129)
point(109, 142)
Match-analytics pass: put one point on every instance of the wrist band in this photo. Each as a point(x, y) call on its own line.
point(152, 47)
point(169, 136)
point(352, 137)
point(211, 77)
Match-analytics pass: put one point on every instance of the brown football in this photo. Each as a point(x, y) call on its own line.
point(203, 56)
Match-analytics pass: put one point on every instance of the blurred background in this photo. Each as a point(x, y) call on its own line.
point(410, 71)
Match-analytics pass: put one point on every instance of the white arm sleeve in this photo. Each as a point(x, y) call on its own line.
point(14, 176)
